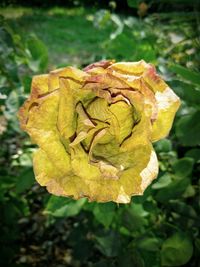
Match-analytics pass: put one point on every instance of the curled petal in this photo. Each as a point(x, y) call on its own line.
point(168, 103)
point(130, 68)
point(103, 64)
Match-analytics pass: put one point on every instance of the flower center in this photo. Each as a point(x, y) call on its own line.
point(100, 123)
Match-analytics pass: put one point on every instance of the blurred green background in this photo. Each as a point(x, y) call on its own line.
point(160, 228)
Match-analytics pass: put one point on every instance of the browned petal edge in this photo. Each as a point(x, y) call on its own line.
point(23, 113)
point(54, 188)
point(151, 72)
point(105, 81)
point(103, 64)
point(60, 192)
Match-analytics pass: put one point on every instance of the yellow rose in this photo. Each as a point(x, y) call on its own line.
point(95, 129)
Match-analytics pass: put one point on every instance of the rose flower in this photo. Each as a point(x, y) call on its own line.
point(95, 129)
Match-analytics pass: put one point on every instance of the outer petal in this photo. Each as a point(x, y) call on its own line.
point(167, 104)
point(44, 169)
point(48, 175)
point(145, 168)
point(161, 103)
point(39, 87)
point(71, 73)
point(38, 117)
point(130, 68)
point(143, 164)
point(132, 182)
point(41, 126)
point(132, 74)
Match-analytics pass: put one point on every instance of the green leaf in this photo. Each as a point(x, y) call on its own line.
point(108, 243)
point(164, 145)
point(188, 129)
point(189, 192)
point(151, 258)
point(173, 191)
point(183, 167)
point(133, 3)
point(12, 106)
point(64, 207)
point(104, 213)
point(186, 74)
point(102, 18)
point(197, 245)
point(25, 160)
point(39, 54)
point(131, 258)
point(25, 180)
point(183, 209)
point(162, 182)
point(26, 81)
point(187, 92)
point(134, 217)
point(194, 153)
point(176, 250)
point(122, 47)
point(149, 244)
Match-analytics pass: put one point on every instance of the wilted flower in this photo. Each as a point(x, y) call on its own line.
point(95, 129)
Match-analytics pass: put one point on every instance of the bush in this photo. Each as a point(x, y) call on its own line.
point(160, 228)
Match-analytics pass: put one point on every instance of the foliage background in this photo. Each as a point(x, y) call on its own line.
point(160, 228)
